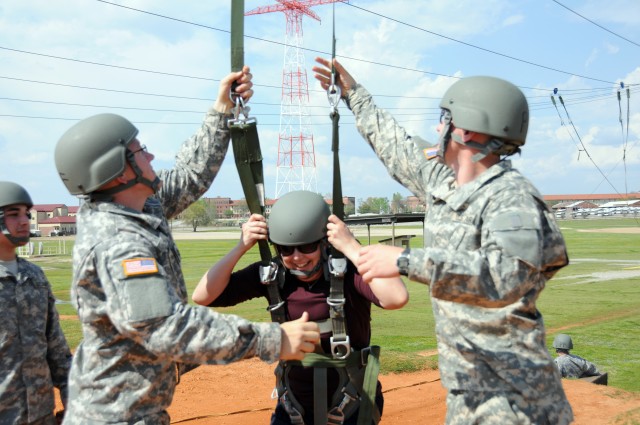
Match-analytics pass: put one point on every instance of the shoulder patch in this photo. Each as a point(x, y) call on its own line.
point(431, 152)
point(138, 266)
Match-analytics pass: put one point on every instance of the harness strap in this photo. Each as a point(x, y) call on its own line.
point(368, 408)
point(358, 377)
point(340, 343)
point(282, 388)
point(248, 158)
point(320, 396)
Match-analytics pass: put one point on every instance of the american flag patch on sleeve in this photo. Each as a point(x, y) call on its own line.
point(431, 152)
point(136, 266)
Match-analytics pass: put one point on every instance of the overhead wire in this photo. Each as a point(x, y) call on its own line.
point(595, 23)
point(624, 139)
point(270, 41)
point(584, 148)
point(478, 47)
point(373, 62)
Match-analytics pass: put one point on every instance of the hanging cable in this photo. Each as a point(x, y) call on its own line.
point(584, 147)
point(340, 343)
point(553, 99)
point(625, 139)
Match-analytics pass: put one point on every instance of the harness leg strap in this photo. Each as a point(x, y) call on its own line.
point(320, 396)
point(367, 400)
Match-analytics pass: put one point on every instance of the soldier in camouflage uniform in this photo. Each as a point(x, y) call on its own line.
point(140, 334)
point(34, 355)
point(490, 245)
point(570, 365)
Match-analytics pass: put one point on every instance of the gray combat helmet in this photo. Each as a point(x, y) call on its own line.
point(13, 194)
point(563, 342)
point(297, 218)
point(93, 152)
point(489, 105)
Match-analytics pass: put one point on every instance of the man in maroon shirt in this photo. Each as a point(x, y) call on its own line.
point(301, 228)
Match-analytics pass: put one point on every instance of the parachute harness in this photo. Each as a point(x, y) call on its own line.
point(357, 369)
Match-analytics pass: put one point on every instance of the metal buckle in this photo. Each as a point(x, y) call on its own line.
point(340, 349)
point(268, 273)
point(337, 266)
point(274, 307)
point(336, 415)
point(296, 417)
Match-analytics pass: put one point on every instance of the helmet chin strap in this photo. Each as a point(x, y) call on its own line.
point(314, 270)
point(7, 234)
point(484, 148)
point(447, 134)
point(106, 195)
point(307, 273)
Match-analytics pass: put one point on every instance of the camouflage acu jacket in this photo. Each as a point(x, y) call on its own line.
point(572, 366)
point(34, 355)
point(489, 248)
point(131, 298)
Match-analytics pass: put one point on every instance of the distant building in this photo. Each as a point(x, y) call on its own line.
point(597, 199)
point(53, 220)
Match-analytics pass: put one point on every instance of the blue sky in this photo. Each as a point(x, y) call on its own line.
point(64, 60)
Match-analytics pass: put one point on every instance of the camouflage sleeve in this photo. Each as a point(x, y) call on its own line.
point(590, 369)
point(197, 163)
point(58, 353)
point(404, 156)
point(505, 266)
point(145, 307)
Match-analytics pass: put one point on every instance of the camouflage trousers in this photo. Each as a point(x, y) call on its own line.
point(161, 418)
point(489, 408)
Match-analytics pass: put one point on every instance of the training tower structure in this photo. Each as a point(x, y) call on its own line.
point(296, 155)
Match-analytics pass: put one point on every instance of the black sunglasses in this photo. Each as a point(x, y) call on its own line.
point(307, 248)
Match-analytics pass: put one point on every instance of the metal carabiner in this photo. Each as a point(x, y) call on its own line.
point(239, 107)
point(333, 94)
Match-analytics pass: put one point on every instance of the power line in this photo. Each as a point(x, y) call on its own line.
point(181, 111)
point(595, 23)
point(478, 47)
point(373, 62)
point(578, 98)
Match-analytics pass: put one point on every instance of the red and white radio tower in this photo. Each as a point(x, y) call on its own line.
point(296, 154)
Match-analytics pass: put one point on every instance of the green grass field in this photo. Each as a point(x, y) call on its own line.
point(596, 300)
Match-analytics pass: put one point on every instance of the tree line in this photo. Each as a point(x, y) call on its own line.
point(202, 213)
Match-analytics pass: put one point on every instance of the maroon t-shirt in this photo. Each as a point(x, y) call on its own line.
point(310, 297)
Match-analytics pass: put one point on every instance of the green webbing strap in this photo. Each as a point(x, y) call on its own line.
point(370, 357)
point(340, 343)
point(367, 399)
point(237, 35)
point(338, 203)
point(248, 158)
point(320, 396)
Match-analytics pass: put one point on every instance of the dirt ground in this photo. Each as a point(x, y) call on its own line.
point(240, 394)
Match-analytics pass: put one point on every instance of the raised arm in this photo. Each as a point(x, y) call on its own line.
point(216, 279)
point(200, 157)
point(390, 291)
point(323, 74)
